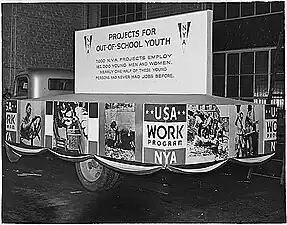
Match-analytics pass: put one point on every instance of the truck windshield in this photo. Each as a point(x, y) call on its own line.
point(61, 84)
point(21, 89)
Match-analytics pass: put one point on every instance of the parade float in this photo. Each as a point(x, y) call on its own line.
point(142, 103)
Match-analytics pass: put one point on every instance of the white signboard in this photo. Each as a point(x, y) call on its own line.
point(167, 55)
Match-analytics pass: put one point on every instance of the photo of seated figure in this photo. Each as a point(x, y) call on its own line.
point(30, 127)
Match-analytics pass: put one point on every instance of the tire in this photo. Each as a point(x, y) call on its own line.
point(116, 181)
point(94, 176)
point(11, 155)
point(99, 179)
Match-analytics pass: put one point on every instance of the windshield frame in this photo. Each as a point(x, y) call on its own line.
point(17, 90)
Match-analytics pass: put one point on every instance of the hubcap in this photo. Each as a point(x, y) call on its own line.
point(91, 170)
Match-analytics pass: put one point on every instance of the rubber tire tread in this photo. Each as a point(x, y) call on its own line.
point(10, 155)
point(99, 185)
point(118, 178)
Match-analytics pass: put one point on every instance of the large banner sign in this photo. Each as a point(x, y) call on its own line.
point(164, 133)
point(166, 55)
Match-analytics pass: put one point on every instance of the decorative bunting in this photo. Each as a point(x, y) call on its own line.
point(27, 150)
point(198, 170)
point(71, 158)
point(133, 167)
point(253, 160)
point(128, 168)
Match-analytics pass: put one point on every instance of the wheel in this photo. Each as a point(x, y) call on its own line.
point(11, 155)
point(93, 175)
point(96, 177)
point(116, 181)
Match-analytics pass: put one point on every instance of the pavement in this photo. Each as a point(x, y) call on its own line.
point(44, 189)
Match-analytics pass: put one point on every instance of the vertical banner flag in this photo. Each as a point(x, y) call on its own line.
point(93, 128)
point(164, 133)
point(270, 128)
point(49, 124)
point(11, 120)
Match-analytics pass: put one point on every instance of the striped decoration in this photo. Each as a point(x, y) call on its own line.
point(71, 158)
point(26, 149)
point(198, 170)
point(128, 168)
point(253, 160)
point(134, 167)
point(93, 128)
point(49, 124)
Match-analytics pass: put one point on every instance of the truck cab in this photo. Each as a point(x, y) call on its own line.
point(36, 83)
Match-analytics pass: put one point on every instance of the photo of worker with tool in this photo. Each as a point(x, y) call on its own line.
point(120, 130)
